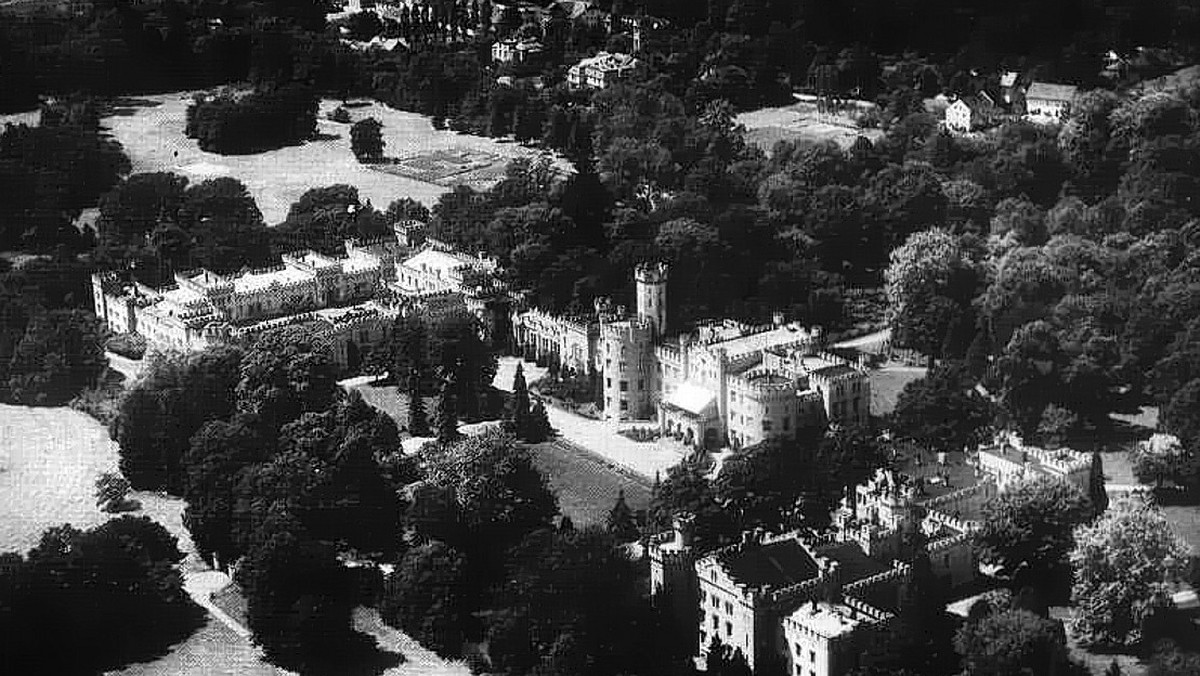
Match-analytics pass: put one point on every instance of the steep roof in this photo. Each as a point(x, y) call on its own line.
point(777, 564)
point(1047, 91)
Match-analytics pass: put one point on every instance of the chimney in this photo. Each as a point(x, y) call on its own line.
point(777, 319)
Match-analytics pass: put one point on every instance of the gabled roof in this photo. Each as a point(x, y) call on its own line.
point(1047, 91)
point(776, 565)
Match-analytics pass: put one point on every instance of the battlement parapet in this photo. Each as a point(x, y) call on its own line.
point(951, 542)
point(985, 489)
point(765, 383)
point(899, 571)
point(651, 273)
point(875, 615)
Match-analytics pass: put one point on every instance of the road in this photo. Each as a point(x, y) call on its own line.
point(645, 459)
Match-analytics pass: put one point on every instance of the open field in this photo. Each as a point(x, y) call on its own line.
point(887, 383)
point(798, 121)
point(154, 140)
point(29, 118)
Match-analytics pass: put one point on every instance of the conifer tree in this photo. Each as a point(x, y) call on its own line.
point(447, 412)
point(1096, 492)
point(539, 424)
point(519, 415)
point(418, 420)
point(620, 520)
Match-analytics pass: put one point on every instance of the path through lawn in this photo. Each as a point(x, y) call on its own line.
point(154, 140)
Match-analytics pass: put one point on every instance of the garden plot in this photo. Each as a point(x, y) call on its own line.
point(798, 121)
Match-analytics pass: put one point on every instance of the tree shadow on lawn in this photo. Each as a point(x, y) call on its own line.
point(362, 656)
point(150, 642)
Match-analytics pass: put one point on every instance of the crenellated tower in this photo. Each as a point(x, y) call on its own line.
point(651, 282)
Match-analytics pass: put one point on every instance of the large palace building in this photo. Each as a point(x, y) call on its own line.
point(726, 384)
point(353, 299)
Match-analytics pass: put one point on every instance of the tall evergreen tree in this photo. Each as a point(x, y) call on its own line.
point(418, 420)
point(1096, 492)
point(620, 520)
point(519, 415)
point(447, 412)
point(539, 424)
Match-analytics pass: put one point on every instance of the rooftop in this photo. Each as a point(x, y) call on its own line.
point(257, 281)
point(853, 564)
point(834, 371)
point(827, 619)
point(691, 398)
point(776, 564)
point(763, 340)
point(1051, 92)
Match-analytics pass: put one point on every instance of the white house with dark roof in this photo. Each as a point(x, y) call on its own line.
point(602, 70)
point(1047, 102)
point(970, 113)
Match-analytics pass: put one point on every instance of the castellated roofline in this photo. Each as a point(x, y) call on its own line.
point(655, 272)
point(767, 382)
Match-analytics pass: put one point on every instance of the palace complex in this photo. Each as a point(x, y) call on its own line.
point(725, 384)
point(816, 603)
point(353, 298)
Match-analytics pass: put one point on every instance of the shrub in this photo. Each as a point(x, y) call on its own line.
point(102, 402)
point(340, 115)
point(112, 493)
point(129, 345)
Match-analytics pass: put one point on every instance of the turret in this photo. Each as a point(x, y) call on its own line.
point(651, 282)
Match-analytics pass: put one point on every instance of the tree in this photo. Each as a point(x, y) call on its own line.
point(112, 492)
point(620, 521)
point(366, 140)
point(175, 397)
point(219, 451)
point(418, 420)
point(931, 282)
point(98, 584)
point(1124, 564)
point(1028, 532)
point(1097, 493)
point(725, 660)
point(1182, 415)
point(60, 354)
point(539, 424)
point(942, 411)
point(428, 596)
point(1013, 643)
point(299, 597)
point(447, 412)
point(1056, 423)
point(518, 419)
point(285, 373)
point(500, 494)
point(1163, 458)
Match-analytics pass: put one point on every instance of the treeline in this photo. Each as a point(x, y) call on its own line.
point(51, 172)
point(1073, 296)
point(51, 346)
point(114, 588)
point(115, 47)
point(229, 124)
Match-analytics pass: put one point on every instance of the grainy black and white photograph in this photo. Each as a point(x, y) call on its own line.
point(599, 337)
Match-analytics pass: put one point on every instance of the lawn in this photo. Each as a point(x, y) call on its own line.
point(154, 140)
point(49, 461)
point(886, 384)
point(586, 486)
point(797, 122)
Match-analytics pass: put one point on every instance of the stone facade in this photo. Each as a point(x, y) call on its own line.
point(726, 384)
point(354, 297)
point(601, 70)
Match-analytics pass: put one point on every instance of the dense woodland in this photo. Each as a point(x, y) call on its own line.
point(1049, 274)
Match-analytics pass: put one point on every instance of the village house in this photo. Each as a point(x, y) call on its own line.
point(1047, 102)
point(512, 50)
point(601, 70)
point(970, 113)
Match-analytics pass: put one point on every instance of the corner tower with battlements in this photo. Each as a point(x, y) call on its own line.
point(651, 282)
